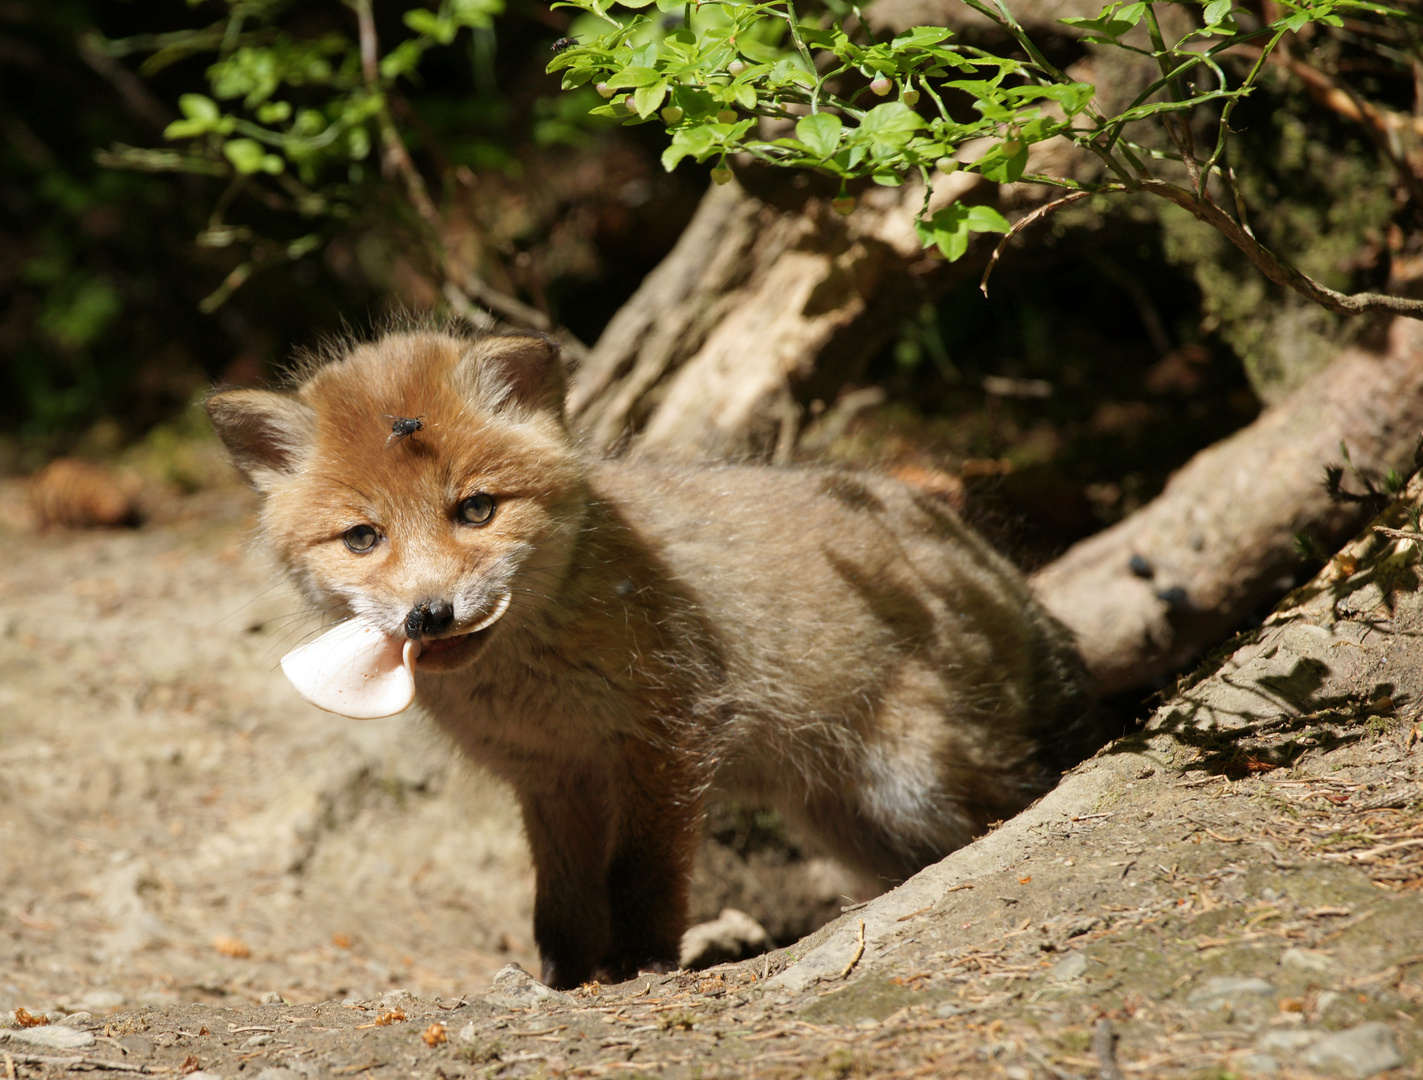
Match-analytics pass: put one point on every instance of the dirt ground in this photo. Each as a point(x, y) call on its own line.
point(201, 875)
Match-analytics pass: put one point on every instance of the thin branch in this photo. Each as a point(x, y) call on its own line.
point(1223, 130)
point(1028, 219)
point(1270, 265)
point(1178, 128)
point(397, 159)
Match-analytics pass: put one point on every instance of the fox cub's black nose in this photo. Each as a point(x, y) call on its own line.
point(429, 617)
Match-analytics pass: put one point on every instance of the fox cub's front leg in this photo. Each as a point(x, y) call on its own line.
point(612, 849)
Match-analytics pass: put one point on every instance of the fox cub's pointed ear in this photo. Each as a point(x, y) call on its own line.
point(266, 434)
point(522, 369)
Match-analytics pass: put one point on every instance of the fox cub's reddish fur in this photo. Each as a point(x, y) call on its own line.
point(835, 644)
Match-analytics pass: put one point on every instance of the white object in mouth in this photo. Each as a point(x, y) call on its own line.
point(356, 670)
point(501, 606)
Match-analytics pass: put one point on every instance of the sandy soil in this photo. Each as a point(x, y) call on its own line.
point(198, 872)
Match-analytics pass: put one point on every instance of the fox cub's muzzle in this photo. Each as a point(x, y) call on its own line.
point(429, 617)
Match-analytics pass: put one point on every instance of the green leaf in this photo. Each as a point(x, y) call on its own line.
point(198, 107)
point(952, 227)
point(921, 37)
point(986, 219)
point(1000, 167)
point(1112, 23)
point(646, 100)
point(423, 21)
point(246, 155)
point(759, 51)
point(1216, 11)
point(476, 13)
point(892, 122)
point(695, 142)
point(186, 129)
point(631, 77)
point(820, 132)
point(403, 59)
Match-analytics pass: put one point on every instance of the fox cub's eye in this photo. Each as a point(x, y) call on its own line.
point(477, 509)
point(360, 538)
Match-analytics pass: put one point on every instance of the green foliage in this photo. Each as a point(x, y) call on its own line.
point(280, 101)
point(722, 65)
point(304, 112)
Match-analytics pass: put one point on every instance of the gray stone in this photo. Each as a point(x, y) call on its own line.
point(1288, 1041)
point(1356, 1053)
point(1229, 990)
point(54, 1036)
point(515, 988)
point(137, 1045)
point(271, 997)
point(1310, 961)
point(948, 1008)
point(78, 1019)
point(1072, 966)
point(278, 1073)
point(1257, 1065)
point(257, 1040)
point(732, 935)
point(396, 999)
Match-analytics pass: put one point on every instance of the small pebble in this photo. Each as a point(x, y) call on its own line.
point(137, 1045)
point(55, 1036)
point(1287, 1042)
point(256, 1040)
point(1357, 1053)
point(1072, 966)
point(1227, 990)
point(1307, 960)
point(271, 997)
point(515, 988)
point(1257, 1065)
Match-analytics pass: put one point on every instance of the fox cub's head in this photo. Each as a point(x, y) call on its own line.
point(422, 481)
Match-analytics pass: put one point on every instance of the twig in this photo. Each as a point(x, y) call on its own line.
point(1398, 534)
point(1104, 1045)
point(906, 918)
point(859, 952)
point(1372, 853)
point(397, 160)
point(1265, 260)
point(1028, 219)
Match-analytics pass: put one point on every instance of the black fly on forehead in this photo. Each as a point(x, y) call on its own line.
point(402, 427)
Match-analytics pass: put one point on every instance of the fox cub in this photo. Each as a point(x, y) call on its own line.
point(833, 644)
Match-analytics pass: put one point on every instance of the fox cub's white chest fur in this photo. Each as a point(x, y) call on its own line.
point(834, 643)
